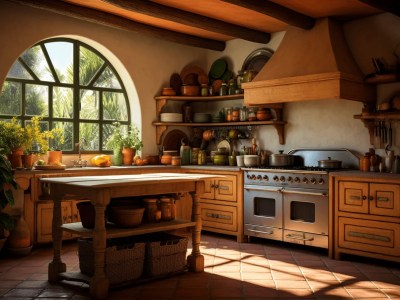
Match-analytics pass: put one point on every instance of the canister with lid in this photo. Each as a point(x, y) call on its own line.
point(150, 209)
point(165, 205)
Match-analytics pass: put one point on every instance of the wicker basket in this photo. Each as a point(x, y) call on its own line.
point(124, 259)
point(165, 253)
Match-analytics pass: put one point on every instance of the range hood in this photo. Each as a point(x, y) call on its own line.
point(310, 64)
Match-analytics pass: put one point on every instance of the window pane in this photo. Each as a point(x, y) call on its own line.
point(61, 55)
point(19, 71)
point(108, 79)
point(11, 99)
point(89, 105)
point(36, 60)
point(90, 133)
point(114, 106)
point(89, 65)
point(107, 132)
point(43, 125)
point(37, 100)
point(62, 102)
point(67, 128)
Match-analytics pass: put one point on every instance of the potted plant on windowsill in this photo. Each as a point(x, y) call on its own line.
point(119, 140)
point(131, 144)
point(7, 182)
point(13, 139)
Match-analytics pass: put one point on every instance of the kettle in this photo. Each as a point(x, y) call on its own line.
point(389, 159)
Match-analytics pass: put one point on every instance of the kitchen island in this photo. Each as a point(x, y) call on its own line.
point(100, 190)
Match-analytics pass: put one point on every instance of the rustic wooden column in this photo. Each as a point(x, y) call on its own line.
point(56, 266)
point(99, 283)
point(195, 259)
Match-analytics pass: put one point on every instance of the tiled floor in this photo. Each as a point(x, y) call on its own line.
point(258, 270)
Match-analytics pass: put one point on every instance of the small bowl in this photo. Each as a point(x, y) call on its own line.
point(251, 160)
point(127, 217)
point(190, 90)
point(201, 118)
point(168, 91)
point(220, 159)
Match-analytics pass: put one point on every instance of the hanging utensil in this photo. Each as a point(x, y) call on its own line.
point(390, 135)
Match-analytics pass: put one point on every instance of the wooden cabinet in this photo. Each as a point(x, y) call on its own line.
point(222, 203)
point(69, 214)
point(365, 215)
point(161, 127)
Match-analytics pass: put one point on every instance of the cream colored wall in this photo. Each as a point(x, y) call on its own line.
point(146, 64)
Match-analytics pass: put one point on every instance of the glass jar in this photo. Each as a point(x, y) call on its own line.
point(165, 205)
point(235, 114)
point(204, 90)
point(232, 88)
point(239, 79)
point(228, 115)
point(224, 89)
point(244, 114)
point(201, 157)
point(251, 114)
point(150, 209)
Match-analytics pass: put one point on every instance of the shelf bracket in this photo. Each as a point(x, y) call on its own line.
point(370, 124)
point(160, 103)
point(160, 129)
point(280, 129)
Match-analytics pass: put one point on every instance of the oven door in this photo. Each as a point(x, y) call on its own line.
point(305, 216)
point(263, 212)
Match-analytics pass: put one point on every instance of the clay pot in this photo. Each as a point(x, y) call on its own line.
point(15, 158)
point(28, 160)
point(20, 236)
point(208, 135)
point(54, 157)
point(263, 114)
point(128, 154)
point(166, 159)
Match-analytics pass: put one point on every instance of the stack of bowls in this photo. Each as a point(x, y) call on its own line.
point(201, 118)
point(171, 117)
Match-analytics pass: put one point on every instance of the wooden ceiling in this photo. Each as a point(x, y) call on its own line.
point(210, 23)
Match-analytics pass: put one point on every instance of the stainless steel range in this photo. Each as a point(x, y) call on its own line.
point(291, 204)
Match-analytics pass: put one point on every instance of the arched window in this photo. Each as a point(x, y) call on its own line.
point(73, 87)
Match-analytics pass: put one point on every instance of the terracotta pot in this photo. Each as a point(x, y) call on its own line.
point(54, 157)
point(128, 154)
point(28, 160)
point(15, 158)
point(20, 236)
point(263, 114)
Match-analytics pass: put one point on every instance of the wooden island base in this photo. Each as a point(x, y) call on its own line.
point(100, 190)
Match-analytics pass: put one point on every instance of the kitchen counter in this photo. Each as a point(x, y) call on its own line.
point(360, 174)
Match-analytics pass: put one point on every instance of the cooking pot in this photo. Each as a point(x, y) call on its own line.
point(281, 160)
point(330, 163)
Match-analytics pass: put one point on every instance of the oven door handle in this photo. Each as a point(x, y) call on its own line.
point(263, 232)
point(262, 189)
point(304, 193)
point(300, 238)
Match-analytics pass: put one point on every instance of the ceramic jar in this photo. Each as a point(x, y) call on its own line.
point(263, 114)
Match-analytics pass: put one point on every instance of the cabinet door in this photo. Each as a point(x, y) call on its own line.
point(353, 196)
point(369, 236)
point(225, 188)
point(209, 190)
point(385, 199)
point(44, 220)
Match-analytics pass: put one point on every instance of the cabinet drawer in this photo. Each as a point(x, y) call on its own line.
point(219, 216)
point(369, 236)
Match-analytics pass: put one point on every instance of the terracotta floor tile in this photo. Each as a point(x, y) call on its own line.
point(382, 284)
point(256, 276)
point(355, 284)
point(392, 293)
point(248, 268)
point(260, 292)
point(251, 283)
point(336, 293)
point(225, 283)
point(292, 284)
point(350, 276)
point(25, 293)
point(294, 293)
point(188, 292)
point(321, 276)
point(317, 285)
point(224, 292)
point(366, 293)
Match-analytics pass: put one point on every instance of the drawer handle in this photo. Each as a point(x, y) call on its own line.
point(358, 197)
point(263, 232)
point(300, 238)
point(218, 216)
point(386, 199)
point(221, 187)
point(369, 236)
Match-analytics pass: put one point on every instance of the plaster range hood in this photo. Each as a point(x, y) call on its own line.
point(313, 64)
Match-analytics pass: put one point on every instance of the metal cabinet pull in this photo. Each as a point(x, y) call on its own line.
point(222, 187)
point(300, 238)
point(352, 197)
point(386, 199)
point(218, 216)
point(369, 236)
point(263, 232)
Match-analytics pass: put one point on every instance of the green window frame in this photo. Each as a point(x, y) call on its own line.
point(73, 87)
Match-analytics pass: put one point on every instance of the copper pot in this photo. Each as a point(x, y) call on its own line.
point(330, 163)
point(281, 160)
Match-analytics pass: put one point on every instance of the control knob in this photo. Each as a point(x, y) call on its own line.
point(265, 177)
point(321, 181)
point(305, 180)
point(282, 179)
point(297, 179)
point(313, 180)
point(276, 178)
point(290, 179)
point(259, 177)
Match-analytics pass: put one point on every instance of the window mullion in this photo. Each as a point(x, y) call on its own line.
point(97, 75)
point(29, 70)
point(49, 63)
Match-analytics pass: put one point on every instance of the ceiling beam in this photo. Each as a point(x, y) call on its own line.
point(98, 17)
point(276, 11)
point(190, 19)
point(392, 6)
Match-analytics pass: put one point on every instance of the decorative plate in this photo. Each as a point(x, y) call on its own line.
point(218, 68)
point(257, 59)
point(172, 140)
